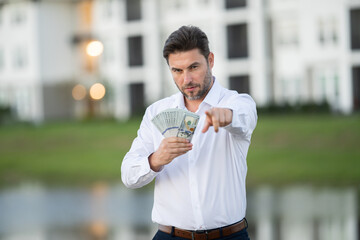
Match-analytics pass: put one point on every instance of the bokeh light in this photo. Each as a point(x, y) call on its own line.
point(99, 230)
point(97, 91)
point(94, 48)
point(79, 92)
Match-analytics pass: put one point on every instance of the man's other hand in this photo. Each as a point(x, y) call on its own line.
point(169, 149)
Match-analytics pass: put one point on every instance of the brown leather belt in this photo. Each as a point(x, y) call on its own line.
point(206, 234)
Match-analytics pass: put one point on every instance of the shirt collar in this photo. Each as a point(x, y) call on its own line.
point(212, 98)
point(179, 101)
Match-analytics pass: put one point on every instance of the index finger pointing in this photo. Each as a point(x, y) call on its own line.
point(208, 114)
point(206, 127)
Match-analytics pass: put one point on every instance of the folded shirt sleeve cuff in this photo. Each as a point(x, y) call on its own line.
point(139, 174)
point(243, 120)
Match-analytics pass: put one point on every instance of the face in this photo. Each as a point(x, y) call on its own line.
point(192, 73)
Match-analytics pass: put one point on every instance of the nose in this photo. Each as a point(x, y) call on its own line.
point(187, 77)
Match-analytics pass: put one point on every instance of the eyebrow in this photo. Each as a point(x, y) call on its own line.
point(191, 65)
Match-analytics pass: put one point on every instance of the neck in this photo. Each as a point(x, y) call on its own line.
point(193, 105)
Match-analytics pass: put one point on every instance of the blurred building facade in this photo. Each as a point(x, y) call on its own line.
point(34, 57)
point(315, 52)
point(279, 51)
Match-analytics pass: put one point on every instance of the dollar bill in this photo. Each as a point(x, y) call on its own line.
point(188, 126)
point(175, 122)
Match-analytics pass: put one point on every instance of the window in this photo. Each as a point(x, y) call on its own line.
point(237, 41)
point(240, 83)
point(23, 103)
point(108, 8)
point(135, 51)
point(321, 32)
point(137, 102)
point(2, 60)
point(20, 58)
point(133, 10)
point(354, 28)
point(327, 31)
point(1, 13)
point(204, 2)
point(234, 3)
point(356, 87)
point(178, 4)
point(18, 16)
point(287, 34)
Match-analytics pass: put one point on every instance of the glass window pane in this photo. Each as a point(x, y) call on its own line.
point(234, 3)
point(135, 51)
point(355, 29)
point(240, 83)
point(133, 10)
point(137, 99)
point(237, 41)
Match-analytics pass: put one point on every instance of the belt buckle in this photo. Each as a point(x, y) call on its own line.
point(199, 232)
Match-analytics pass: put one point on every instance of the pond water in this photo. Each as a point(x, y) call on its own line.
point(108, 212)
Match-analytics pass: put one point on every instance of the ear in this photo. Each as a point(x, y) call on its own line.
point(211, 60)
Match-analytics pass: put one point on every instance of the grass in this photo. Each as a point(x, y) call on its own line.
point(65, 153)
point(316, 149)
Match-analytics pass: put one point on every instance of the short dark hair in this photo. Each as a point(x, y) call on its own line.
point(186, 38)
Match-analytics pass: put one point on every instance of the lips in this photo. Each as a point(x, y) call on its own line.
point(190, 88)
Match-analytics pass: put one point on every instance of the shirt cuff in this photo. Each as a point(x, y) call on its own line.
point(239, 123)
point(148, 170)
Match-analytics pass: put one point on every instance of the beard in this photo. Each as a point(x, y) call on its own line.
point(203, 89)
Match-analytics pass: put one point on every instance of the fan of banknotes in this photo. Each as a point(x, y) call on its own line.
point(175, 122)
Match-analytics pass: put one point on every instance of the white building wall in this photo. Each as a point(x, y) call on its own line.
point(114, 31)
point(311, 69)
point(350, 59)
point(19, 79)
point(108, 28)
point(259, 66)
point(175, 14)
point(153, 48)
point(55, 21)
point(302, 68)
point(212, 17)
point(41, 43)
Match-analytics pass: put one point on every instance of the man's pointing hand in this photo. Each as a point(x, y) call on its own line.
point(217, 117)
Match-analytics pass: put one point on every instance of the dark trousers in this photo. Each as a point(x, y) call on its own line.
point(242, 235)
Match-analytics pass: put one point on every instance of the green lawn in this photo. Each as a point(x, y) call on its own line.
point(318, 149)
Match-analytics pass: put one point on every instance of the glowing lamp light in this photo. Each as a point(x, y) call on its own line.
point(79, 92)
point(97, 91)
point(94, 48)
point(99, 230)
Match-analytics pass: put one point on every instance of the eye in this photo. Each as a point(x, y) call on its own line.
point(194, 67)
point(175, 70)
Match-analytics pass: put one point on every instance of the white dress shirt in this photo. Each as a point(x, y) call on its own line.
point(204, 188)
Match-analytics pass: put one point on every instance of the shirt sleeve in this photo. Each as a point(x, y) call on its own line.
point(135, 168)
point(244, 115)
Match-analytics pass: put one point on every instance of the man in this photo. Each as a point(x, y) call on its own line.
point(199, 186)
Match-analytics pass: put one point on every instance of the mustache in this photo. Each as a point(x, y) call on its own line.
point(191, 85)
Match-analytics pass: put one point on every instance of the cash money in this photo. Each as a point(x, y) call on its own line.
point(175, 122)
